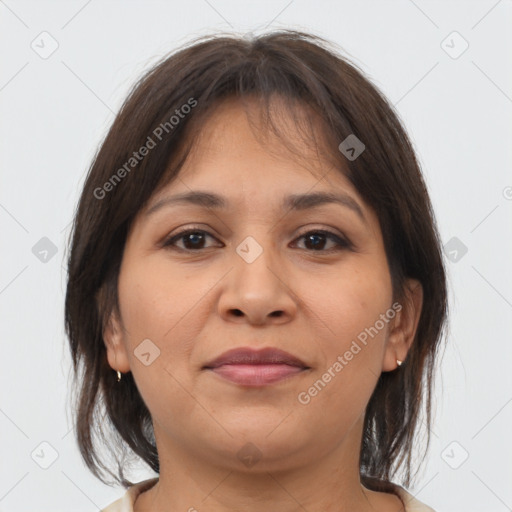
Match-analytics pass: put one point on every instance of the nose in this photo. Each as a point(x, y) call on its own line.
point(257, 292)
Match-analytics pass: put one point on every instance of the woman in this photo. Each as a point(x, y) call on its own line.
point(256, 292)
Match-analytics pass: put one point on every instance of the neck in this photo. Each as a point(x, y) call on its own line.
point(328, 483)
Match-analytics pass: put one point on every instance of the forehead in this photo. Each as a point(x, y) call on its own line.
point(237, 164)
point(242, 141)
point(236, 117)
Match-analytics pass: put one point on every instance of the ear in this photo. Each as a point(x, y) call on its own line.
point(404, 327)
point(113, 337)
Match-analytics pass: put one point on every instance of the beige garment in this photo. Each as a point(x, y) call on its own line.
point(125, 503)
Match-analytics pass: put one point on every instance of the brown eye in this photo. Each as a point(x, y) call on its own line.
point(193, 239)
point(316, 241)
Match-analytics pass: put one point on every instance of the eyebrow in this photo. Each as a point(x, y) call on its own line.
point(298, 202)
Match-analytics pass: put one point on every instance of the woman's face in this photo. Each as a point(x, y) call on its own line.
point(249, 277)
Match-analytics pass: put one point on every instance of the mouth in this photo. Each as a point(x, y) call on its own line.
point(249, 367)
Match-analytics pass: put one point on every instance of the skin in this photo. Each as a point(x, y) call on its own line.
point(196, 305)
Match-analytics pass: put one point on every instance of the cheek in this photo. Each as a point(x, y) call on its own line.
point(152, 298)
point(353, 309)
point(354, 300)
point(143, 306)
point(152, 311)
point(163, 305)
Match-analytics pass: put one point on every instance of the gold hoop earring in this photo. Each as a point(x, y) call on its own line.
point(118, 375)
point(398, 362)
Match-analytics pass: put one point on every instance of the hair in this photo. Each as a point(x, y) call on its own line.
point(303, 70)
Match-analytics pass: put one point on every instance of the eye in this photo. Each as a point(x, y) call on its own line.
point(193, 239)
point(315, 240)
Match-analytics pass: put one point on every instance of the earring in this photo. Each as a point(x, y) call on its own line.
point(118, 375)
point(398, 362)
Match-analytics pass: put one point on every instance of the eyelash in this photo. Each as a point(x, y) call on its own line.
point(342, 243)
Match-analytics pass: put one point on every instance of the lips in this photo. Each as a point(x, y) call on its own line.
point(249, 356)
point(255, 368)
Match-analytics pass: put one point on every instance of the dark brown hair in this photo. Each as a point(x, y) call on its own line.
point(303, 70)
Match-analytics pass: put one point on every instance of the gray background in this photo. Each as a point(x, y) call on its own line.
point(55, 109)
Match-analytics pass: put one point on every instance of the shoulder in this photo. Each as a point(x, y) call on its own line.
point(411, 503)
point(125, 503)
